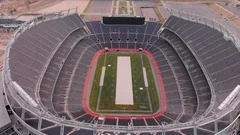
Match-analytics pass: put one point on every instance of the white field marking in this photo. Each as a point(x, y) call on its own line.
point(102, 76)
point(145, 77)
point(124, 91)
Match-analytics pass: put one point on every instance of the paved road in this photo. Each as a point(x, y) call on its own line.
point(100, 6)
point(139, 4)
point(149, 13)
point(98, 9)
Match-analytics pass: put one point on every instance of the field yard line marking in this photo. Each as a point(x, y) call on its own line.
point(102, 76)
point(149, 98)
point(100, 89)
point(145, 77)
point(105, 59)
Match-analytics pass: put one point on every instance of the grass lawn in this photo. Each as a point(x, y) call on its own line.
point(107, 98)
point(114, 11)
point(95, 85)
point(131, 11)
point(151, 83)
point(122, 10)
point(122, 4)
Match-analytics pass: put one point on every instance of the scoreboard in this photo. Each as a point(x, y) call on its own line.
point(124, 20)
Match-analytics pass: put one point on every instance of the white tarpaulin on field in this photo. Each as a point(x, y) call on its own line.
point(124, 92)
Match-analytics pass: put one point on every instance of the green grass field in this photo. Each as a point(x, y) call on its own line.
point(146, 101)
point(123, 10)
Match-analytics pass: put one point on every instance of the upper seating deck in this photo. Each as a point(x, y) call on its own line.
point(31, 50)
point(219, 57)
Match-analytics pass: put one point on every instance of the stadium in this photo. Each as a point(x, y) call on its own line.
point(123, 75)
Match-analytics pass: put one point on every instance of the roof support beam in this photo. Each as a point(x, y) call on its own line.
point(194, 131)
point(216, 126)
point(39, 124)
point(23, 114)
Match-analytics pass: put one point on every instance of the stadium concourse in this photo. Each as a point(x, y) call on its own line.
point(48, 61)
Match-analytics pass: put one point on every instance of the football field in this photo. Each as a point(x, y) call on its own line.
point(124, 83)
